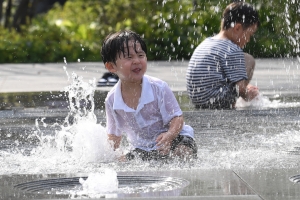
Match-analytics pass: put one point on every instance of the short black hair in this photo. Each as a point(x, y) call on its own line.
point(239, 12)
point(114, 44)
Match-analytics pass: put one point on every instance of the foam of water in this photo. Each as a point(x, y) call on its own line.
point(80, 135)
point(100, 183)
point(90, 143)
point(262, 101)
point(76, 144)
point(80, 141)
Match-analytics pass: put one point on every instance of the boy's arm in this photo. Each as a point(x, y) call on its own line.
point(115, 139)
point(175, 126)
point(164, 140)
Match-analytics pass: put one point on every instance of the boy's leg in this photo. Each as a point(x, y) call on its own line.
point(182, 147)
point(250, 66)
point(145, 155)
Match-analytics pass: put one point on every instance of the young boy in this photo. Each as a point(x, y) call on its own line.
point(219, 72)
point(142, 107)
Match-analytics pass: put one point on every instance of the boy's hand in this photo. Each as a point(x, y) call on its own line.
point(163, 142)
point(122, 158)
point(252, 92)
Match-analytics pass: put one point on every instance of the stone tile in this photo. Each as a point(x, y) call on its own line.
point(272, 184)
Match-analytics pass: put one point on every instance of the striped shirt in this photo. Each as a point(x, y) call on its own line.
point(214, 68)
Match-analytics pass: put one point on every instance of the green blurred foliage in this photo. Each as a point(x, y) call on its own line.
point(278, 29)
point(171, 28)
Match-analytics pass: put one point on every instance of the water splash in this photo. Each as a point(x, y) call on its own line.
point(292, 26)
point(79, 145)
point(79, 135)
point(261, 102)
point(99, 183)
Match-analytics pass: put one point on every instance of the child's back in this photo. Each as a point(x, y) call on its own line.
point(219, 71)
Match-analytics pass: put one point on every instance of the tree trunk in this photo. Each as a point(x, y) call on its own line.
point(20, 15)
point(1, 7)
point(32, 9)
point(7, 14)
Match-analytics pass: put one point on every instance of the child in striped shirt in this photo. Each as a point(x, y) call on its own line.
point(219, 71)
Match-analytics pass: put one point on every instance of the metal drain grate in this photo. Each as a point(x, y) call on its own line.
point(67, 184)
point(295, 179)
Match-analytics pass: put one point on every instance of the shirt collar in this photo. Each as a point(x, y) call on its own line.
point(147, 96)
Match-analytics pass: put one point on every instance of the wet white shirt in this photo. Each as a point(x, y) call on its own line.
point(156, 108)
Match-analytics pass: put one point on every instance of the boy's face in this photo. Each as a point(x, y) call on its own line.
point(131, 66)
point(244, 35)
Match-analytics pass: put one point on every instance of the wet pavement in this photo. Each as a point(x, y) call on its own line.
point(218, 135)
point(271, 75)
point(201, 184)
point(270, 181)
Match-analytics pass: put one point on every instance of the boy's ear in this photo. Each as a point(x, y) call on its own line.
point(110, 67)
point(238, 27)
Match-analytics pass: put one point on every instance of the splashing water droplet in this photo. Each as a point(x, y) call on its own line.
point(178, 40)
point(79, 134)
point(106, 181)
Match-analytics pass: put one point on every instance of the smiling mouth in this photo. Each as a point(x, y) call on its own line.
point(136, 70)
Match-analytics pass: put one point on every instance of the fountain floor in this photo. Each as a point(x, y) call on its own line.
point(242, 154)
point(202, 184)
point(248, 153)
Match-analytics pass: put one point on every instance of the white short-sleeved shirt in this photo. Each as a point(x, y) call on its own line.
point(214, 68)
point(156, 108)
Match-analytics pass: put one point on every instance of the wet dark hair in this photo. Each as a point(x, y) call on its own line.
point(114, 44)
point(239, 12)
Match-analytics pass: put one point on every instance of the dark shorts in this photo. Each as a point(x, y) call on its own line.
point(225, 100)
point(155, 155)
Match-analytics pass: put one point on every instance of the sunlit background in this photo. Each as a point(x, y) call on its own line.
point(49, 30)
